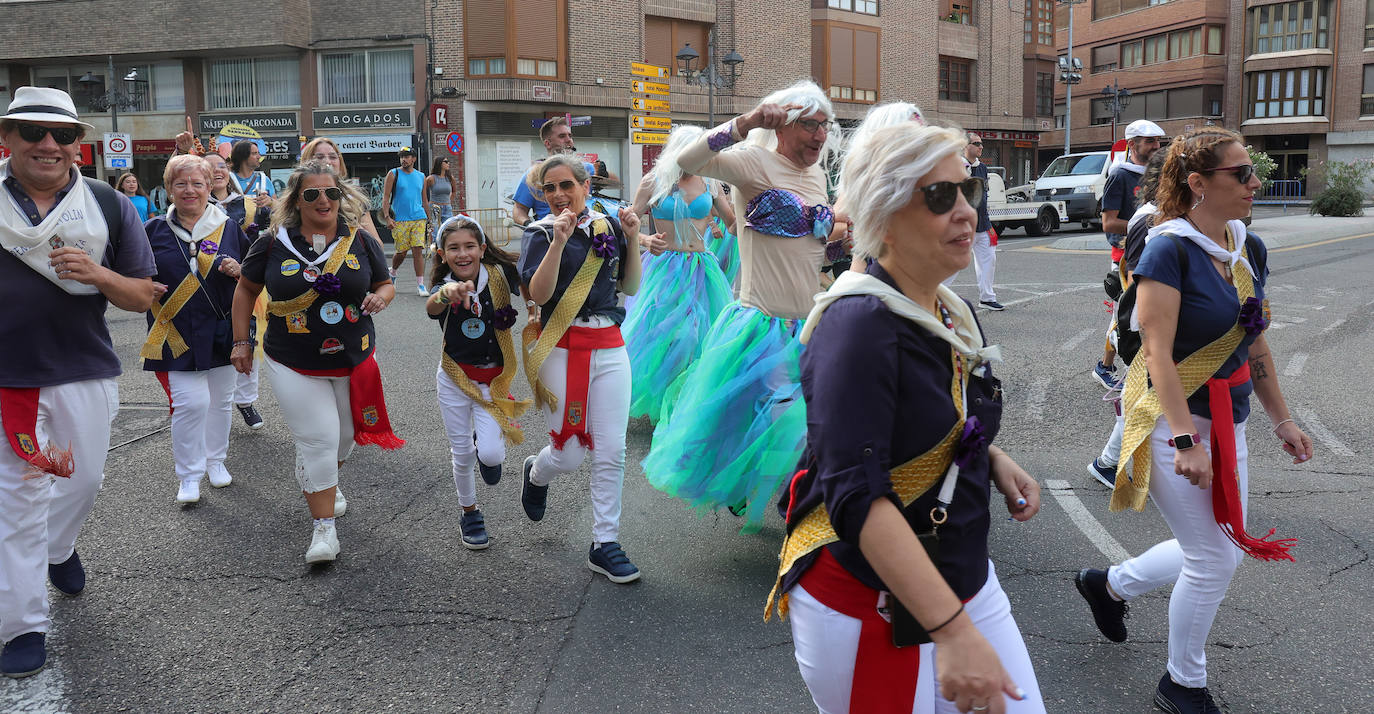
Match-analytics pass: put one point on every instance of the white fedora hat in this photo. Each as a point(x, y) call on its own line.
point(43, 104)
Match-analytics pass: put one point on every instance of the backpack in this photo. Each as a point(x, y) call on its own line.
point(1127, 340)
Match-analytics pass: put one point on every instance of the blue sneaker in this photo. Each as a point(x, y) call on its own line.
point(490, 474)
point(24, 655)
point(533, 497)
point(1105, 475)
point(1105, 376)
point(68, 577)
point(474, 530)
point(610, 560)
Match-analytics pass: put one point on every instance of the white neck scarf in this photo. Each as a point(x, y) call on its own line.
point(285, 239)
point(75, 222)
point(1144, 211)
point(1132, 167)
point(209, 221)
point(966, 337)
point(481, 284)
point(1182, 228)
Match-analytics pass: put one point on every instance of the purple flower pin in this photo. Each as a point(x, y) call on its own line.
point(835, 250)
point(252, 231)
point(971, 443)
point(1251, 316)
point(328, 285)
point(209, 247)
point(504, 319)
point(604, 245)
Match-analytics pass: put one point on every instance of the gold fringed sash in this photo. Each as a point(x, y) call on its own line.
point(1141, 403)
point(910, 480)
point(282, 308)
point(163, 332)
point(503, 408)
point(562, 318)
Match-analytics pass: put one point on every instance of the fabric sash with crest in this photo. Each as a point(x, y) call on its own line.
point(1143, 409)
point(19, 414)
point(75, 222)
point(502, 407)
point(336, 254)
point(163, 332)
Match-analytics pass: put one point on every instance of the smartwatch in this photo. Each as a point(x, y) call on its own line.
point(1183, 442)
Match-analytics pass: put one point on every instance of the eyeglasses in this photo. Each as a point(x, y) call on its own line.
point(811, 126)
point(332, 193)
point(34, 133)
point(942, 195)
point(1243, 172)
point(975, 143)
point(564, 186)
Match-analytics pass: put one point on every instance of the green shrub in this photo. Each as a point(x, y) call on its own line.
point(1338, 201)
point(1264, 166)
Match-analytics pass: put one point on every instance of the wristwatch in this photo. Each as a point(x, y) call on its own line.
point(1183, 442)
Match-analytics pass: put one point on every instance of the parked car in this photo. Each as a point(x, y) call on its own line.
point(1013, 209)
point(1078, 180)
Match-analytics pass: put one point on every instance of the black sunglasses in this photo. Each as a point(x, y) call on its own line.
point(310, 195)
point(975, 143)
point(1243, 172)
point(565, 186)
point(34, 133)
point(942, 195)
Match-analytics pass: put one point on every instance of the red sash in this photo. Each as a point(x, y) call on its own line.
point(884, 675)
point(1226, 506)
point(19, 415)
point(370, 422)
point(579, 342)
point(481, 375)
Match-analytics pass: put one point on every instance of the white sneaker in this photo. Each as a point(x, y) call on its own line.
point(340, 503)
point(421, 291)
point(189, 491)
point(392, 273)
point(219, 476)
point(324, 544)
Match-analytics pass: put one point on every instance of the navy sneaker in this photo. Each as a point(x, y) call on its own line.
point(68, 577)
point(24, 655)
point(1105, 475)
point(250, 415)
point(490, 474)
point(1105, 376)
point(533, 497)
point(1175, 698)
point(992, 305)
point(474, 530)
point(1109, 613)
point(610, 560)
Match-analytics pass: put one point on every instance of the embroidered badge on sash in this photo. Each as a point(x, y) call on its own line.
point(26, 443)
point(330, 346)
point(56, 242)
point(290, 267)
point(332, 312)
point(365, 342)
point(295, 323)
point(1268, 316)
point(575, 411)
point(351, 261)
point(351, 313)
point(370, 416)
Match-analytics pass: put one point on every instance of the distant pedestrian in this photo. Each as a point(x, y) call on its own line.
point(439, 185)
point(404, 198)
point(129, 186)
point(984, 252)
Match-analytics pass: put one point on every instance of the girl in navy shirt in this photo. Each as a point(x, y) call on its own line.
point(472, 301)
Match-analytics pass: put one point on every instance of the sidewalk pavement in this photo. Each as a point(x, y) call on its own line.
point(1275, 231)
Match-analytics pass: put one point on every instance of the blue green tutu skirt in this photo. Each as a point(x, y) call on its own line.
point(736, 430)
point(726, 250)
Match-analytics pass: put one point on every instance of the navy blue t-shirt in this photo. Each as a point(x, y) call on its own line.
point(602, 299)
point(981, 171)
point(1208, 308)
point(197, 320)
point(1119, 195)
point(471, 339)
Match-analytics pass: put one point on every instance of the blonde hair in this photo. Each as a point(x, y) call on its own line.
point(286, 212)
point(308, 153)
point(182, 163)
point(666, 172)
point(879, 176)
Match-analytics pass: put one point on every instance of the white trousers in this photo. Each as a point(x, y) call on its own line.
point(246, 387)
point(40, 518)
point(608, 412)
point(1199, 561)
point(984, 265)
point(826, 643)
point(1111, 451)
point(201, 416)
point(462, 418)
point(318, 412)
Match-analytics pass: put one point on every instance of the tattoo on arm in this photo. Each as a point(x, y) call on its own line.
point(1257, 368)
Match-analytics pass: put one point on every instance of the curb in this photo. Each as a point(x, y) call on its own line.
point(1275, 231)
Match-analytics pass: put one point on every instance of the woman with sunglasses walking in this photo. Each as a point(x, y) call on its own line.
point(327, 279)
point(1202, 312)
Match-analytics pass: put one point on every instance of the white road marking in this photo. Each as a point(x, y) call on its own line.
point(1078, 513)
point(1316, 428)
point(1011, 303)
point(1333, 326)
point(1295, 365)
point(1073, 342)
point(1035, 400)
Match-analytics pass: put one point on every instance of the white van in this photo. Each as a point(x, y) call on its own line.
point(1078, 180)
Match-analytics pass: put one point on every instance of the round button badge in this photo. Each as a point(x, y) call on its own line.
point(290, 267)
point(332, 312)
point(473, 328)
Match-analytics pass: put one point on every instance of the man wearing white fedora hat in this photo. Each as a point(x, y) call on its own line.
point(70, 246)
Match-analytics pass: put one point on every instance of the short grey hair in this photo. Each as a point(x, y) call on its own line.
point(879, 176)
point(881, 117)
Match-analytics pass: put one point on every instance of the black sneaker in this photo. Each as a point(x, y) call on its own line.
point(992, 305)
point(1175, 698)
point(533, 497)
point(250, 416)
point(610, 560)
point(1109, 613)
point(24, 655)
point(1105, 475)
point(69, 576)
point(474, 528)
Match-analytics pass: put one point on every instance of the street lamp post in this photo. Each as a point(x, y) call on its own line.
point(112, 98)
point(1120, 99)
point(1070, 73)
point(709, 75)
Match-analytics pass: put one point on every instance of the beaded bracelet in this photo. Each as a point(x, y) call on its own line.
point(249, 343)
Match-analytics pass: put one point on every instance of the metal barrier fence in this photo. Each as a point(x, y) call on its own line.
point(1286, 188)
point(496, 223)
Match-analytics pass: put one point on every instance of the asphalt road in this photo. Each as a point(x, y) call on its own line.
point(212, 609)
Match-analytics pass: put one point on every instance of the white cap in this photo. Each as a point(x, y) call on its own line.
point(43, 104)
point(1143, 127)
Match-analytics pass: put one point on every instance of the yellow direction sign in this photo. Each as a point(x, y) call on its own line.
point(642, 122)
point(648, 137)
point(649, 87)
point(650, 105)
point(640, 69)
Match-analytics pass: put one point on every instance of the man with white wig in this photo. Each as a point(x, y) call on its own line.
point(739, 422)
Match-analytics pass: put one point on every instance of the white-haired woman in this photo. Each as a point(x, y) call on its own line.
point(683, 290)
point(738, 424)
point(198, 250)
point(880, 116)
point(885, 571)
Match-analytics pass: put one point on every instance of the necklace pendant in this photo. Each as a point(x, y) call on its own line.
point(317, 242)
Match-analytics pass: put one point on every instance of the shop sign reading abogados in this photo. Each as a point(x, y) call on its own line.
point(401, 118)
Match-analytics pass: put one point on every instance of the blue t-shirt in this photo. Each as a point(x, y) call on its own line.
point(407, 196)
point(1208, 308)
point(142, 206)
point(534, 198)
point(1119, 195)
point(255, 182)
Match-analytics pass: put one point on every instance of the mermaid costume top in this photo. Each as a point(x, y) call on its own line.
point(678, 212)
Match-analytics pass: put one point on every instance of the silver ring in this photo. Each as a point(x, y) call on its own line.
point(980, 709)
